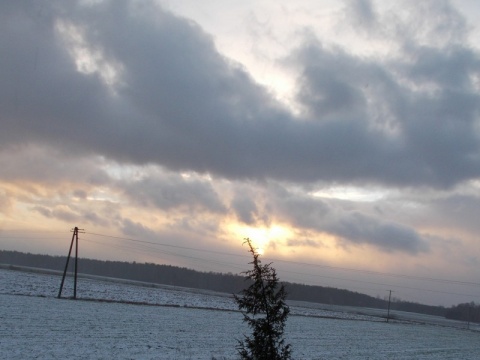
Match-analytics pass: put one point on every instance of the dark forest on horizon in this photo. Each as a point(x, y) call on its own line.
point(230, 283)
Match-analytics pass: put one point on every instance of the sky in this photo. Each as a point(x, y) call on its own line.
point(341, 137)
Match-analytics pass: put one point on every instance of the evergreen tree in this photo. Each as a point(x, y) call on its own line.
point(265, 311)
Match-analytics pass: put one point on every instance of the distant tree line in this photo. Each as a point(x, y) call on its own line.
point(146, 272)
point(465, 312)
point(229, 283)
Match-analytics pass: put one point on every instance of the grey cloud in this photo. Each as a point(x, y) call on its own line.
point(353, 227)
point(60, 213)
point(304, 242)
point(139, 231)
point(387, 236)
point(168, 192)
point(331, 94)
point(454, 211)
point(5, 202)
point(65, 215)
point(245, 208)
point(409, 24)
point(362, 12)
point(50, 166)
point(303, 212)
point(80, 194)
point(71, 215)
point(136, 229)
point(429, 22)
point(182, 105)
point(197, 225)
point(44, 211)
point(449, 68)
point(419, 137)
point(94, 218)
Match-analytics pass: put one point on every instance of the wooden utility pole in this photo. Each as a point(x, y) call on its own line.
point(74, 239)
point(388, 310)
point(469, 315)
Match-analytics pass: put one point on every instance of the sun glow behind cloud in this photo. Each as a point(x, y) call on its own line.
point(351, 193)
point(263, 238)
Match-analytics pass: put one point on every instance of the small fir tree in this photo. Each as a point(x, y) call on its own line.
point(265, 311)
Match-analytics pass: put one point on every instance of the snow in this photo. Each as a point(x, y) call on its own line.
point(184, 324)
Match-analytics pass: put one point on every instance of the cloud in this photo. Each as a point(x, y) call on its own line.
point(245, 209)
point(454, 211)
point(349, 227)
point(51, 166)
point(6, 202)
point(361, 13)
point(60, 212)
point(429, 23)
point(71, 214)
point(177, 102)
point(304, 242)
point(43, 211)
point(402, 121)
point(167, 191)
point(389, 237)
point(138, 230)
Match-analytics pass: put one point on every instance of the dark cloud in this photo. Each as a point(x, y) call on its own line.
point(389, 237)
point(352, 227)
point(453, 211)
point(63, 213)
point(423, 133)
point(50, 166)
point(71, 215)
point(43, 211)
point(301, 211)
point(246, 204)
point(171, 239)
point(245, 209)
point(6, 202)
point(361, 13)
point(170, 191)
point(304, 242)
point(91, 217)
point(428, 23)
point(80, 194)
point(178, 103)
point(137, 230)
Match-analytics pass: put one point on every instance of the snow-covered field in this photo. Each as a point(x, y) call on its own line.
point(192, 325)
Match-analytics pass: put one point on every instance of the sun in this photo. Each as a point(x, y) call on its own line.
point(261, 237)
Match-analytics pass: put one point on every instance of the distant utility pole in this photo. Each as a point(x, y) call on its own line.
point(389, 299)
point(74, 239)
point(469, 315)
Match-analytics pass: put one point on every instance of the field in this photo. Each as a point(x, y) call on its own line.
point(142, 322)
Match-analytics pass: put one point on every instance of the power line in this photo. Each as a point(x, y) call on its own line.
point(31, 231)
point(381, 284)
point(169, 253)
point(369, 272)
point(31, 237)
point(238, 266)
point(379, 273)
point(307, 274)
point(291, 272)
point(168, 245)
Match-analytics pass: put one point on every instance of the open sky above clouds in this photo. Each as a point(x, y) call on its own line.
point(342, 137)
